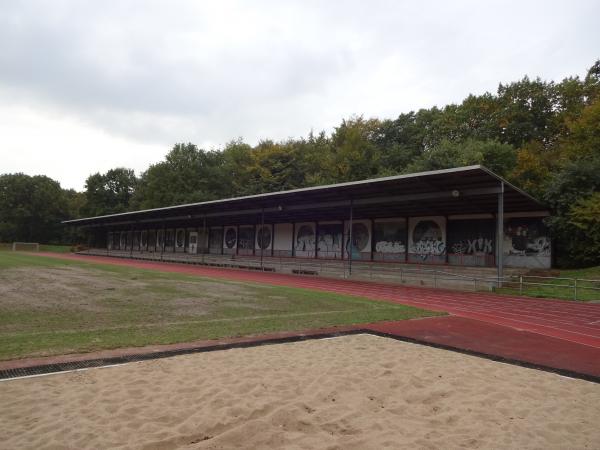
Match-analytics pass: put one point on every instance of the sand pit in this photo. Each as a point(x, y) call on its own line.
point(350, 392)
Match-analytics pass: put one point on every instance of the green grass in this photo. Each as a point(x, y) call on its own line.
point(558, 288)
point(51, 306)
point(5, 246)
point(55, 248)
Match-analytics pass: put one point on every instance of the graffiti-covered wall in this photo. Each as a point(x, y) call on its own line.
point(460, 240)
point(361, 239)
point(526, 243)
point(230, 240)
point(472, 242)
point(330, 240)
point(305, 240)
point(246, 240)
point(427, 239)
point(264, 239)
point(390, 239)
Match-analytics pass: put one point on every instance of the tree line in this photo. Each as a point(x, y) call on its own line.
point(543, 136)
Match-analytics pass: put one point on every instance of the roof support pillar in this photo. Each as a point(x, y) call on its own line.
point(261, 237)
point(350, 244)
point(131, 243)
point(500, 235)
point(204, 238)
point(162, 244)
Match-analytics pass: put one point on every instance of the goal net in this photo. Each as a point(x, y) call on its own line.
point(26, 247)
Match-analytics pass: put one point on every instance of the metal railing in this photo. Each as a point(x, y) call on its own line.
point(575, 288)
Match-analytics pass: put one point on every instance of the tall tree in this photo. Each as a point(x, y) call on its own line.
point(109, 193)
point(31, 208)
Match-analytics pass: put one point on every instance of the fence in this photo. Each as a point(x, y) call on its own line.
point(471, 278)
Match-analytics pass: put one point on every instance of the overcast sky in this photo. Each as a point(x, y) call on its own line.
point(86, 86)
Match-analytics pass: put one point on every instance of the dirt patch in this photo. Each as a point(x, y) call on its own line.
point(59, 287)
point(98, 295)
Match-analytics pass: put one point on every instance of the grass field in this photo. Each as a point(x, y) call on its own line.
point(563, 288)
point(43, 247)
point(50, 306)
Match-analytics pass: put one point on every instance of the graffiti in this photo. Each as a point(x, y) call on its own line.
point(526, 238)
point(230, 238)
point(264, 238)
point(390, 247)
point(479, 246)
point(330, 240)
point(305, 238)
point(390, 237)
point(427, 239)
point(360, 238)
point(180, 239)
point(246, 238)
point(428, 248)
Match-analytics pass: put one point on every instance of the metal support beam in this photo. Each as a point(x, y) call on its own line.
point(350, 240)
point(293, 239)
point(131, 243)
point(261, 237)
point(162, 246)
point(204, 238)
point(500, 234)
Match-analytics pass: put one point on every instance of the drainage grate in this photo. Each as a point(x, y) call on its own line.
point(68, 366)
point(102, 362)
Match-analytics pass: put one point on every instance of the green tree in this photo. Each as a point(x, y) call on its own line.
point(187, 175)
point(354, 154)
point(31, 208)
point(497, 157)
point(109, 193)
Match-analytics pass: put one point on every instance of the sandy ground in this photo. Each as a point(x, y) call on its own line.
point(354, 392)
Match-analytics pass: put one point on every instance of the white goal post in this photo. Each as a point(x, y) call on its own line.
point(26, 246)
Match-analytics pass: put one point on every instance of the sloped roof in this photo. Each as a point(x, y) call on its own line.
point(460, 190)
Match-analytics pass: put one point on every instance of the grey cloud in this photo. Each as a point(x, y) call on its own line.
point(158, 72)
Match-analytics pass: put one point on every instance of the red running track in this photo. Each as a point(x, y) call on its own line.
point(567, 320)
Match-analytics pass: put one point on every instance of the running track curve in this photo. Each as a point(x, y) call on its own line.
point(571, 321)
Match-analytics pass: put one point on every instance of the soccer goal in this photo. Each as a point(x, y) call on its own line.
point(26, 246)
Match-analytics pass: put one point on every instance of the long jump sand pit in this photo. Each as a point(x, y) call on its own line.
point(352, 392)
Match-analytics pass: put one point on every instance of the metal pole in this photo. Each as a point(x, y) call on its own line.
point(203, 236)
point(162, 245)
point(500, 243)
point(350, 237)
point(520, 284)
point(131, 243)
point(575, 286)
point(262, 236)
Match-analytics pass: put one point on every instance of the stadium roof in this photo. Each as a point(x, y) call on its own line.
point(461, 190)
